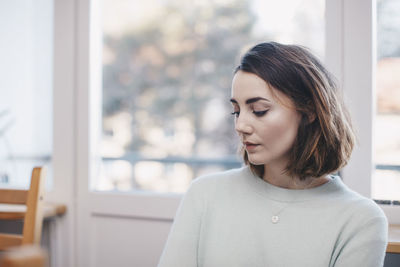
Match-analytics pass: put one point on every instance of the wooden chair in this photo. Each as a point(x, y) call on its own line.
point(32, 217)
point(394, 239)
point(24, 256)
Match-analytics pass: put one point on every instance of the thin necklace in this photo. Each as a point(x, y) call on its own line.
point(275, 217)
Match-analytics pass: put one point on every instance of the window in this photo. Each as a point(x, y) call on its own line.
point(386, 179)
point(166, 75)
point(25, 89)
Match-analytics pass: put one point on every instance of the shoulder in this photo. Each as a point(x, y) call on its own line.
point(208, 188)
point(363, 231)
point(361, 209)
point(213, 182)
point(220, 178)
point(370, 215)
point(365, 207)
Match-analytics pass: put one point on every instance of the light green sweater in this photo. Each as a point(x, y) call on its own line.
point(224, 220)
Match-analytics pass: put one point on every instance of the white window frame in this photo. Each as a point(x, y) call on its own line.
point(63, 233)
point(351, 57)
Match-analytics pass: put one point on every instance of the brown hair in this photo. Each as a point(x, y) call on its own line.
point(325, 137)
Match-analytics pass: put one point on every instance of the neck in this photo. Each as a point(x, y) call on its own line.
point(276, 176)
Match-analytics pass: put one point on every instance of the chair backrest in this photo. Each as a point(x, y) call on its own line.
point(32, 217)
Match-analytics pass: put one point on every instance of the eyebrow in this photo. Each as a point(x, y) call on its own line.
point(251, 100)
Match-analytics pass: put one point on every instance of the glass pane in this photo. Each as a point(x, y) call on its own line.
point(386, 179)
point(25, 89)
point(167, 70)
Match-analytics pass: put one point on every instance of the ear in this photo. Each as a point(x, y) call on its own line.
point(309, 117)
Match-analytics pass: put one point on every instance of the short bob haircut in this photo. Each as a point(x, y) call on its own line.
point(325, 137)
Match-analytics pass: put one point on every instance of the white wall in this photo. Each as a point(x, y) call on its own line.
point(26, 83)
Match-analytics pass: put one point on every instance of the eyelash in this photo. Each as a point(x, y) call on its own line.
point(235, 113)
point(260, 113)
point(257, 113)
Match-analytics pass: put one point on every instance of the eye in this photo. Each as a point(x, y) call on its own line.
point(235, 113)
point(260, 113)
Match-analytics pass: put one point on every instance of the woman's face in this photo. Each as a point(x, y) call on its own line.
point(265, 119)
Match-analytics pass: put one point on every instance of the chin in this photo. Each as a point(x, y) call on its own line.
point(256, 160)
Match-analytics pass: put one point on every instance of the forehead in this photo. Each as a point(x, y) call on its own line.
point(246, 85)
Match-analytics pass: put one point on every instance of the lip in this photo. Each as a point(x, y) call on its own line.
point(250, 146)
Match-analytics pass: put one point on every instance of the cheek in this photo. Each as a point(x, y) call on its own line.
point(281, 131)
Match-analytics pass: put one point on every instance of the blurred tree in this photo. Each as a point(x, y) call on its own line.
point(174, 66)
point(388, 54)
point(388, 28)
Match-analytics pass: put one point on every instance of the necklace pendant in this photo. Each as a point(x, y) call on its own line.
point(275, 219)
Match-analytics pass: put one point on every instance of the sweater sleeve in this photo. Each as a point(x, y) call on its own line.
point(366, 247)
point(181, 247)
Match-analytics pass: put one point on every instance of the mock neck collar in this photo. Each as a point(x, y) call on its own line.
point(281, 194)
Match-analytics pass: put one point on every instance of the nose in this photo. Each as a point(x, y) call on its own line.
point(242, 125)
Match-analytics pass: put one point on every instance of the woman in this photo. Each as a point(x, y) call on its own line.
point(284, 208)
